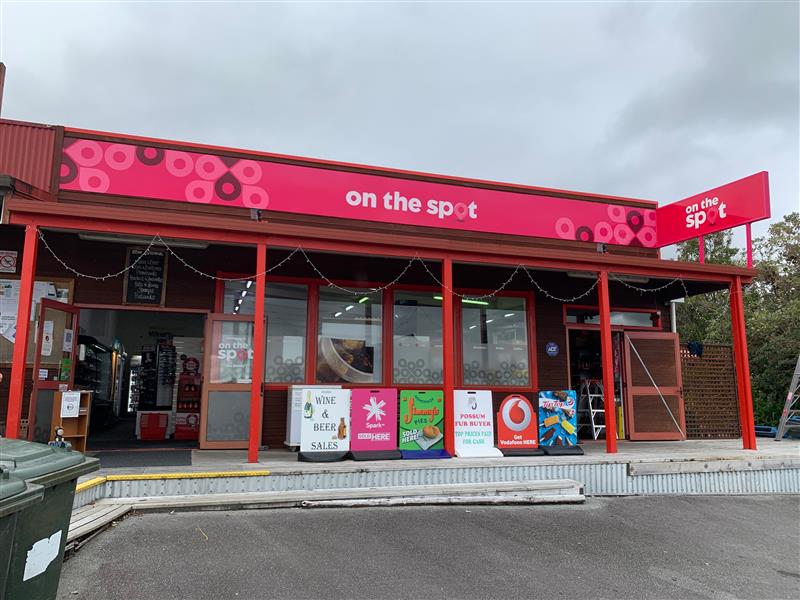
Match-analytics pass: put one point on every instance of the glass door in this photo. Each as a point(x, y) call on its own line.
point(225, 407)
point(53, 365)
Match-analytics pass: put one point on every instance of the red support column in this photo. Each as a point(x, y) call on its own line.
point(607, 358)
point(701, 249)
point(738, 328)
point(259, 336)
point(749, 238)
point(18, 361)
point(448, 354)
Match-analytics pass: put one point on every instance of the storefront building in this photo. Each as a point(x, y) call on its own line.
point(202, 282)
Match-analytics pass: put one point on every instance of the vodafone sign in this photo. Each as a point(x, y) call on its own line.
point(516, 423)
point(738, 203)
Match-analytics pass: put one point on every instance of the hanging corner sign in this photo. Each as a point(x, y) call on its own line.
point(474, 424)
point(325, 424)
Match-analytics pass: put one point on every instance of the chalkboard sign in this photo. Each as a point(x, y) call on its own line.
point(146, 280)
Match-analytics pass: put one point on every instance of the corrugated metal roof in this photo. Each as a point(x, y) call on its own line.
point(26, 152)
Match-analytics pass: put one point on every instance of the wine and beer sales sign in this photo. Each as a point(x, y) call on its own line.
point(325, 421)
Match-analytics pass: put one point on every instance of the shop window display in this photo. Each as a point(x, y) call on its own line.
point(495, 342)
point(350, 341)
point(417, 332)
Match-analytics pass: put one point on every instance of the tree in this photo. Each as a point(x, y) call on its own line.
point(772, 310)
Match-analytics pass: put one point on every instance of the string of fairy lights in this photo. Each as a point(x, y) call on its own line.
point(158, 242)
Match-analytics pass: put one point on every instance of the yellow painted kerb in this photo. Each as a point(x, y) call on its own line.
point(152, 476)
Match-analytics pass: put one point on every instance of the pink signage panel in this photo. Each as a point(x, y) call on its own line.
point(195, 177)
point(743, 201)
point(373, 419)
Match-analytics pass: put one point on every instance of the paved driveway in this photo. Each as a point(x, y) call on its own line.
point(698, 547)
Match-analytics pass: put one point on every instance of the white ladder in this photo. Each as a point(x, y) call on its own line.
point(792, 406)
point(592, 396)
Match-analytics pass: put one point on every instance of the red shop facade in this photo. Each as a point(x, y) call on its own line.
point(265, 271)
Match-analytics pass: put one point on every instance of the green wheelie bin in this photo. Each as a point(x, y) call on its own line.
point(41, 530)
point(16, 496)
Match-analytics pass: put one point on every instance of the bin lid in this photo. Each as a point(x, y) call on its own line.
point(16, 494)
point(10, 486)
point(30, 460)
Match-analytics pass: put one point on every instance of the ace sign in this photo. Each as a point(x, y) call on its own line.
point(325, 423)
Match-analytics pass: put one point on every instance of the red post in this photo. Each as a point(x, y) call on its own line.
point(259, 335)
point(607, 357)
point(749, 238)
point(19, 358)
point(448, 347)
point(746, 418)
point(701, 249)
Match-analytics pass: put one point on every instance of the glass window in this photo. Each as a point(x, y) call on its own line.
point(495, 341)
point(591, 316)
point(232, 356)
point(350, 341)
point(417, 329)
point(286, 308)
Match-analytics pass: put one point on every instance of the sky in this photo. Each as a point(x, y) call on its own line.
point(658, 101)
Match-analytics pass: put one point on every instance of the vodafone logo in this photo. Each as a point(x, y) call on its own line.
point(516, 413)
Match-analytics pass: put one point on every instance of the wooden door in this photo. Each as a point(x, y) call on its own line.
point(654, 389)
point(53, 364)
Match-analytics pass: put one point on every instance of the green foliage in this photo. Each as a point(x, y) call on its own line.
point(772, 310)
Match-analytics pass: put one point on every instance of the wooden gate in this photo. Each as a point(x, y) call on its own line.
point(654, 399)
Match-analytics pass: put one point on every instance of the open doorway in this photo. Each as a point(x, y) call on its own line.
point(586, 378)
point(144, 369)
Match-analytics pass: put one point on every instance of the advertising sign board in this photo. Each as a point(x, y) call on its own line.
point(558, 418)
point(517, 427)
point(373, 423)
point(737, 203)
point(324, 429)
point(421, 427)
point(474, 423)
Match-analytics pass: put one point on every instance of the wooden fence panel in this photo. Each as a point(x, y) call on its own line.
point(709, 391)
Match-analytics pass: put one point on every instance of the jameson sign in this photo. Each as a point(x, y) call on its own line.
point(474, 423)
point(421, 420)
point(326, 420)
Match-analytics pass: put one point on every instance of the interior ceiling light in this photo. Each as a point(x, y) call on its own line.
point(489, 320)
point(338, 314)
point(467, 301)
point(472, 326)
point(362, 300)
point(508, 315)
point(349, 307)
point(244, 293)
point(141, 240)
point(249, 283)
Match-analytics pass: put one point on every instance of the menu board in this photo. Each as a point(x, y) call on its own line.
point(474, 423)
point(558, 420)
point(422, 423)
point(146, 277)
